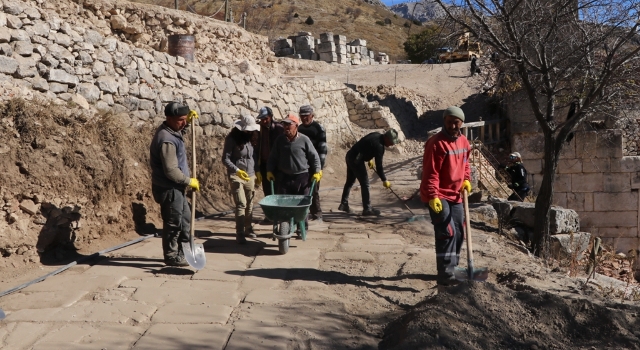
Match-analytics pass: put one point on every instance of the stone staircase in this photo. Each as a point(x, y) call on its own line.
point(487, 171)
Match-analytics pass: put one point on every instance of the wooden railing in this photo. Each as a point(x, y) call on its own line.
point(486, 131)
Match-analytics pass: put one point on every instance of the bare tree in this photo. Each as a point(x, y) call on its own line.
point(578, 57)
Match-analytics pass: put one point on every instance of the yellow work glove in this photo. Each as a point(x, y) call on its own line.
point(371, 164)
point(466, 185)
point(243, 175)
point(194, 184)
point(386, 184)
point(435, 205)
point(270, 176)
point(317, 176)
point(258, 179)
point(191, 116)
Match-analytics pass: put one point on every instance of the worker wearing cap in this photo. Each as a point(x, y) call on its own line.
point(293, 158)
point(518, 175)
point(269, 132)
point(315, 132)
point(240, 159)
point(445, 175)
point(369, 147)
point(170, 176)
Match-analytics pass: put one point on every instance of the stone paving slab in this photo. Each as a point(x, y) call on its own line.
point(69, 333)
point(31, 315)
point(115, 294)
point(316, 243)
point(394, 241)
point(186, 294)
point(217, 262)
point(285, 264)
point(263, 278)
point(144, 282)
point(131, 268)
point(353, 247)
point(41, 300)
point(293, 254)
point(79, 282)
point(114, 312)
point(356, 235)
point(184, 313)
point(184, 336)
point(151, 249)
point(214, 275)
point(246, 338)
point(358, 256)
point(377, 235)
point(23, 335)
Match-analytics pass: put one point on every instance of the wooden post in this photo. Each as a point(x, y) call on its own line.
point(176, 4)
point(497, 132)
point(490, 128)
point(482, 133)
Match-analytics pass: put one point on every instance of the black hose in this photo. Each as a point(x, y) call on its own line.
point(65, 267)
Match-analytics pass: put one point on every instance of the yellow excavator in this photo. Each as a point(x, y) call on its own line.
point(466, 48)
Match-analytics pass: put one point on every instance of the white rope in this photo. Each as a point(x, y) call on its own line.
point(220, 9)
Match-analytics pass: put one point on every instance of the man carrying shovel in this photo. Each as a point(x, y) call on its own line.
point(445, 175)
point(170, 176)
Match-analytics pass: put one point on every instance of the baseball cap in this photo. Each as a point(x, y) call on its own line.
point(176, 109)
point(264, 112)
point(454, 111)
point(291, 118)
point(306, 110)
point(246, 123)
point(392, 135)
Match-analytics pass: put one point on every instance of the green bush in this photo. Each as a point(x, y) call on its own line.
point(420, 47)
point(380, 23)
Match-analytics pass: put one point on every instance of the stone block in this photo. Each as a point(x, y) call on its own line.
point(596, 165)
point(107, 84)
point(523, 213)
point(609, 144)
point(586, 182)
point(484, 213)
point(359, 42)
point(563, 221)
point(283, 44)
point(60, 76)
point(285, 52)
point(326, 47)
point(618, 232)
point(328, 56)
point(616, 182)
point(616, 201)
point(90, 92)
point(580, 201)
point(58, 88)
point(503, 210)
point(569, 166)
point(604, 218)
point(570, 246)
point(560, 199)
point(341, 49)
point(326, 37)
point(562, 184)
point(192, 336)
point(626, 165)
point(306, 54)
point(568, 150)
point(529, 145)
point(304, 43)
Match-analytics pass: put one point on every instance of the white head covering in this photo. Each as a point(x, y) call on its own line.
point(515, 155)
point(247, 123)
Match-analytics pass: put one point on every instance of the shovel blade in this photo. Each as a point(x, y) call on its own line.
point(479, 274)
point(195, 257)
point(2, 315)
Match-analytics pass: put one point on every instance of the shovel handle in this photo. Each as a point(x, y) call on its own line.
point(193, 193)
point(468, 232)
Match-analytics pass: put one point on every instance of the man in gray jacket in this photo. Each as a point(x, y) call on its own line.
point(291, 160)
point(170, 176)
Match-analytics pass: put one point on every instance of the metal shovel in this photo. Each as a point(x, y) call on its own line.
point(2, 315)
point(194, 253)
point(469, 273)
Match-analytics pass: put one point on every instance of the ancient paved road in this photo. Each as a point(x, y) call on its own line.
point(321, 294)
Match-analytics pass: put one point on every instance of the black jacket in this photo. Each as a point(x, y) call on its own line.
point(315, 132)
point(518, 176)
point(369, 147)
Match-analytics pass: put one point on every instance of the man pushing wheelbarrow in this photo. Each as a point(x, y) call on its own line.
point(293, 158)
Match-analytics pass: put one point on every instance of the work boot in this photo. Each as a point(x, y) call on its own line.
point(345, 208)
point(178, 261)
point(248, 232)
point(370, 212)
point(240, 230)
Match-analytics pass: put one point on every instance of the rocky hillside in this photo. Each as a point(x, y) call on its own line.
point(422, 11)
point(82, 87)
point(356, 19)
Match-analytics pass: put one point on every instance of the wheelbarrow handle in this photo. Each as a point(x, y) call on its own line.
point(272, 190)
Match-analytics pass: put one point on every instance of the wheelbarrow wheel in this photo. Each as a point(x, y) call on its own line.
point(283, 244)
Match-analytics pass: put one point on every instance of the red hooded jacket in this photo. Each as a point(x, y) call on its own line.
point(445, 165)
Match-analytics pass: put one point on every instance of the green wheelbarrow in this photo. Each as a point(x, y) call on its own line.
point(286, 211)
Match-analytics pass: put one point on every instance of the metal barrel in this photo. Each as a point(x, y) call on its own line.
point(183, 46)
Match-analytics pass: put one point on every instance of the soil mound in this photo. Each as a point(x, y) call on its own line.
point(489, 316)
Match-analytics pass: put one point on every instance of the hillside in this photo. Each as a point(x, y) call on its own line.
point(282, 18)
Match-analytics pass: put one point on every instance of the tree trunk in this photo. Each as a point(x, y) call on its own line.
point(545, 196)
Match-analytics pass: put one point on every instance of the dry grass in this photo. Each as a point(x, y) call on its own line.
point(275, 18)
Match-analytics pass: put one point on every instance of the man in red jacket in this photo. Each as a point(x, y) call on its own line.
point(445, 175)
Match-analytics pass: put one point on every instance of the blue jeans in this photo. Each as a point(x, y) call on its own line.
point(449, 232)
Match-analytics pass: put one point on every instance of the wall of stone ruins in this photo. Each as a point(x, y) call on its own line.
point(329, 48)
point(109, 55)
point(594, 177)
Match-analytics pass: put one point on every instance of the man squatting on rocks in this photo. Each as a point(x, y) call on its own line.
point(292, 159)
point(269, 132)
point(170, 176)
point(240, 159)
point(445, 175)
point(369, 147)
point(316, 133)
point(518, 175)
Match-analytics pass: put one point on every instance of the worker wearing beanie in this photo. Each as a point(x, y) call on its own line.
point(445, 175)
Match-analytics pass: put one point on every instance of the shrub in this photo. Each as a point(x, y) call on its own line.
point(380, 23)
point(309, 21)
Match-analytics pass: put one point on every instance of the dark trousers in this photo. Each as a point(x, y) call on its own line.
point(176, 217)
point(356, 170)
point(266, 184)
point(315, 208)
point(449, 230)
point(293, 184)
point(519, 194)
